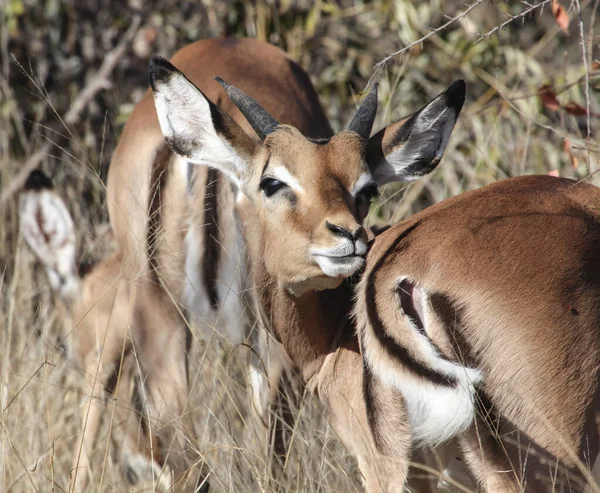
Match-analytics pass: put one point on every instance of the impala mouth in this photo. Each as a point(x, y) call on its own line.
point(339, 257)
point(339, 265)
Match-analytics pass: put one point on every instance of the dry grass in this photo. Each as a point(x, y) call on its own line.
point(50, 49)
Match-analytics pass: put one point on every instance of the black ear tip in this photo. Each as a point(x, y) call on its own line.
point(455, 94)
point(37, 180)
point(160, 69)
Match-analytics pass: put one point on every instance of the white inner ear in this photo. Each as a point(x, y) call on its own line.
point(429, 137)
point(434, 130)
point(186, 122)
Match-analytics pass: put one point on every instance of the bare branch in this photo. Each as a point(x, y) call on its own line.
point(587, 86)
point(381, 64)
point(512, 19)
point(97, 83)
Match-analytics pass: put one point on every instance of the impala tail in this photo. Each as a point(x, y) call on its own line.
point(48, 229)
point(396, 318)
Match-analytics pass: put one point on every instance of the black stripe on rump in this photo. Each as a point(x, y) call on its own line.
point(395, 350)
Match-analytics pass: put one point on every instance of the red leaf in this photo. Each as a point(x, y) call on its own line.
point(561, 16)
point(554, 172)
point(548, 97)
point(575, 109)
point(595, 65)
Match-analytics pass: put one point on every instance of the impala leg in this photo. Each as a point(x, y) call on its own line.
point(274, 400)
point(490, 464)
point(92, 411)
point(163, 358)
point(370, 419)
point(130, 433)
point(283, 412)
point(425, 479)
point(282, 406)
point(506, 460)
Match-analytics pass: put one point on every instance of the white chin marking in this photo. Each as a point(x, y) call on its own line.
point(339, 266)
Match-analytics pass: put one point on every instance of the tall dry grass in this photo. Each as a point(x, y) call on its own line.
point(49, 53)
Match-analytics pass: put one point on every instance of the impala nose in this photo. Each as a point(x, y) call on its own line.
point(357, 237)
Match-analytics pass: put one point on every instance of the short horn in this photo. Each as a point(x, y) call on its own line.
point(262, 123)
point(362, 123)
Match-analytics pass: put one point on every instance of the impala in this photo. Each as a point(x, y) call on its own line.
point(254, 205)
point(483, 311)
point(307, 195)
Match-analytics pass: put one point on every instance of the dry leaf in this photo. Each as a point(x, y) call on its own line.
point(561, 16)
point(548, 97)
point(595, 65)
point(554, 172)
point(568, 150)
point(575, 109)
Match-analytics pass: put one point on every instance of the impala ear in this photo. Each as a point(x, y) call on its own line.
point(195, 128)
point(48, 229)
point(413, 147)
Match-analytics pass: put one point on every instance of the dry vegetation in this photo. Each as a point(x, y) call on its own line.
point(52, 49)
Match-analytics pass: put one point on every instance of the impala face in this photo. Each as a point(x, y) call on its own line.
point(311, 196)
point(312, 199)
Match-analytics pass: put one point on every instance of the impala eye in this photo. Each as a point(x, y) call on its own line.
point(271, 186)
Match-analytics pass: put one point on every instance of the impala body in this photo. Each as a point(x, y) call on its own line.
point(308, 196)
point(484, 312)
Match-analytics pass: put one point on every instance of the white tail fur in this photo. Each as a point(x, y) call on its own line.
point(48, 229)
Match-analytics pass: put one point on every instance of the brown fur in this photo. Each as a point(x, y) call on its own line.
point(515, 267)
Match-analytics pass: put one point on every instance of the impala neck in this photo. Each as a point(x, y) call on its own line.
point(309, 326)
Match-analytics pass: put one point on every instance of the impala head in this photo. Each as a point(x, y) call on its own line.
point(311, 196)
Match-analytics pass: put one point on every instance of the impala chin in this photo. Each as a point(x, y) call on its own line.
point(342, 260)
point(339, 266)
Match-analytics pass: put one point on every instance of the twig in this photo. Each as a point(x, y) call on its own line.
point(587, 85)
point(97, 83)
point(381, 64)
point(512, 19)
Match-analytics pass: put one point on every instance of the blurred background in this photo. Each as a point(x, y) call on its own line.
point(72, 71)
